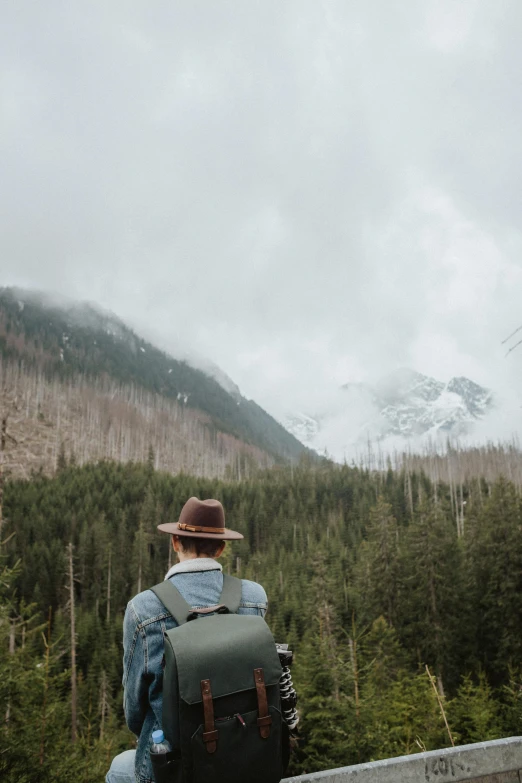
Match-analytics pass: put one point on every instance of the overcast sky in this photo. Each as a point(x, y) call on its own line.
point(305, 192)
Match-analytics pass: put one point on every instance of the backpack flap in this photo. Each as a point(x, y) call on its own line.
point(227, 649)
point(229, 718)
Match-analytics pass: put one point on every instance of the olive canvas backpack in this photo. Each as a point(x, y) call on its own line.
point(221, 697)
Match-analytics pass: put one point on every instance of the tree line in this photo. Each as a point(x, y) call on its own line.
point(405, 619)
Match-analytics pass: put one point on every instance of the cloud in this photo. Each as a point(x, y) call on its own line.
point(307, 193)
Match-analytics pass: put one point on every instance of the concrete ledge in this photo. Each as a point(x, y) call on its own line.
point(498, 761)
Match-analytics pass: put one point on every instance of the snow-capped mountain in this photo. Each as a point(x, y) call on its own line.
point(404, 403)
point(409, 403)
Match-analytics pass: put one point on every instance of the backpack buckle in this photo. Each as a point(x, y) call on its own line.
point(217, 609)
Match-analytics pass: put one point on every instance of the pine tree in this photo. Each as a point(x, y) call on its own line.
point(494, 554)
point(431, 577)
point(474, 713)
point(377, 574)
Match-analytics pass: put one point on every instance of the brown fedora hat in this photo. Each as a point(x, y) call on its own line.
point(201, 519)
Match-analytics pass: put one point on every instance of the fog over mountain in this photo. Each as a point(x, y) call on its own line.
point(404, 411)
point(307, 194)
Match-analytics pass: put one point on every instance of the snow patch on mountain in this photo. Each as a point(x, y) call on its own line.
point(304, 428)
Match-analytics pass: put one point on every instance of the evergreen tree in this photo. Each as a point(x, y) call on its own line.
point(377, 575)
point(474, 713)
point(430, 611)
point(495, 563)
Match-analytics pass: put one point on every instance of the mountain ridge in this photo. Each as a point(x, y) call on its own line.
point(64, 340)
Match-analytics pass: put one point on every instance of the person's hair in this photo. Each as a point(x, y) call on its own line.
point(200, 546)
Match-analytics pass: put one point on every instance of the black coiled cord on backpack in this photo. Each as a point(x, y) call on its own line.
point(286, 688)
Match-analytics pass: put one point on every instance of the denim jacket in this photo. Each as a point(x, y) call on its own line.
point(200, 582)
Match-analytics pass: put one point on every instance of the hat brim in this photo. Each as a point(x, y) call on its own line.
point(174, 530)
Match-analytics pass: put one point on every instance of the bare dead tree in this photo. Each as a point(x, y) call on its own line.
point(109, 587)
point(352, 643)
point(3, 438)
point(47, 643)
point(73, 647)
point(104, 703)
point(513, 347)
point(12, 647)
point(410, 493)
point(140, 555)
point(441, 706)
point(511, 335)
point(12, 637)
point(328, 641)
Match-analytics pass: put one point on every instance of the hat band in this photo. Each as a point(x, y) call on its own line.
point(200, 529)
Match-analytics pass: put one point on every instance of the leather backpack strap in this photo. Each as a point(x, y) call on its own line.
point(173, 601)
point(231, 593)
point(264, 719)
point(210, 735)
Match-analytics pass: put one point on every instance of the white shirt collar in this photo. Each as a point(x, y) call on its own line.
point(196, 564)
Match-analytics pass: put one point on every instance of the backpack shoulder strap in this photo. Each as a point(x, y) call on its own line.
point(231, 593)
point(173, 601)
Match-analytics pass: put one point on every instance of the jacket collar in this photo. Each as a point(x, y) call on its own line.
point(194, 565)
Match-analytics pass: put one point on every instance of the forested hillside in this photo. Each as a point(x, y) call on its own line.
point(370, 576)
point(90, 420)
point(100, 388)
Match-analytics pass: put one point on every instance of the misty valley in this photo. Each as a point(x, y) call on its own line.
point(396, 581)
point(260, 391)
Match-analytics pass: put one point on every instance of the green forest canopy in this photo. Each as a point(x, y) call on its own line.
point(369, 580)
